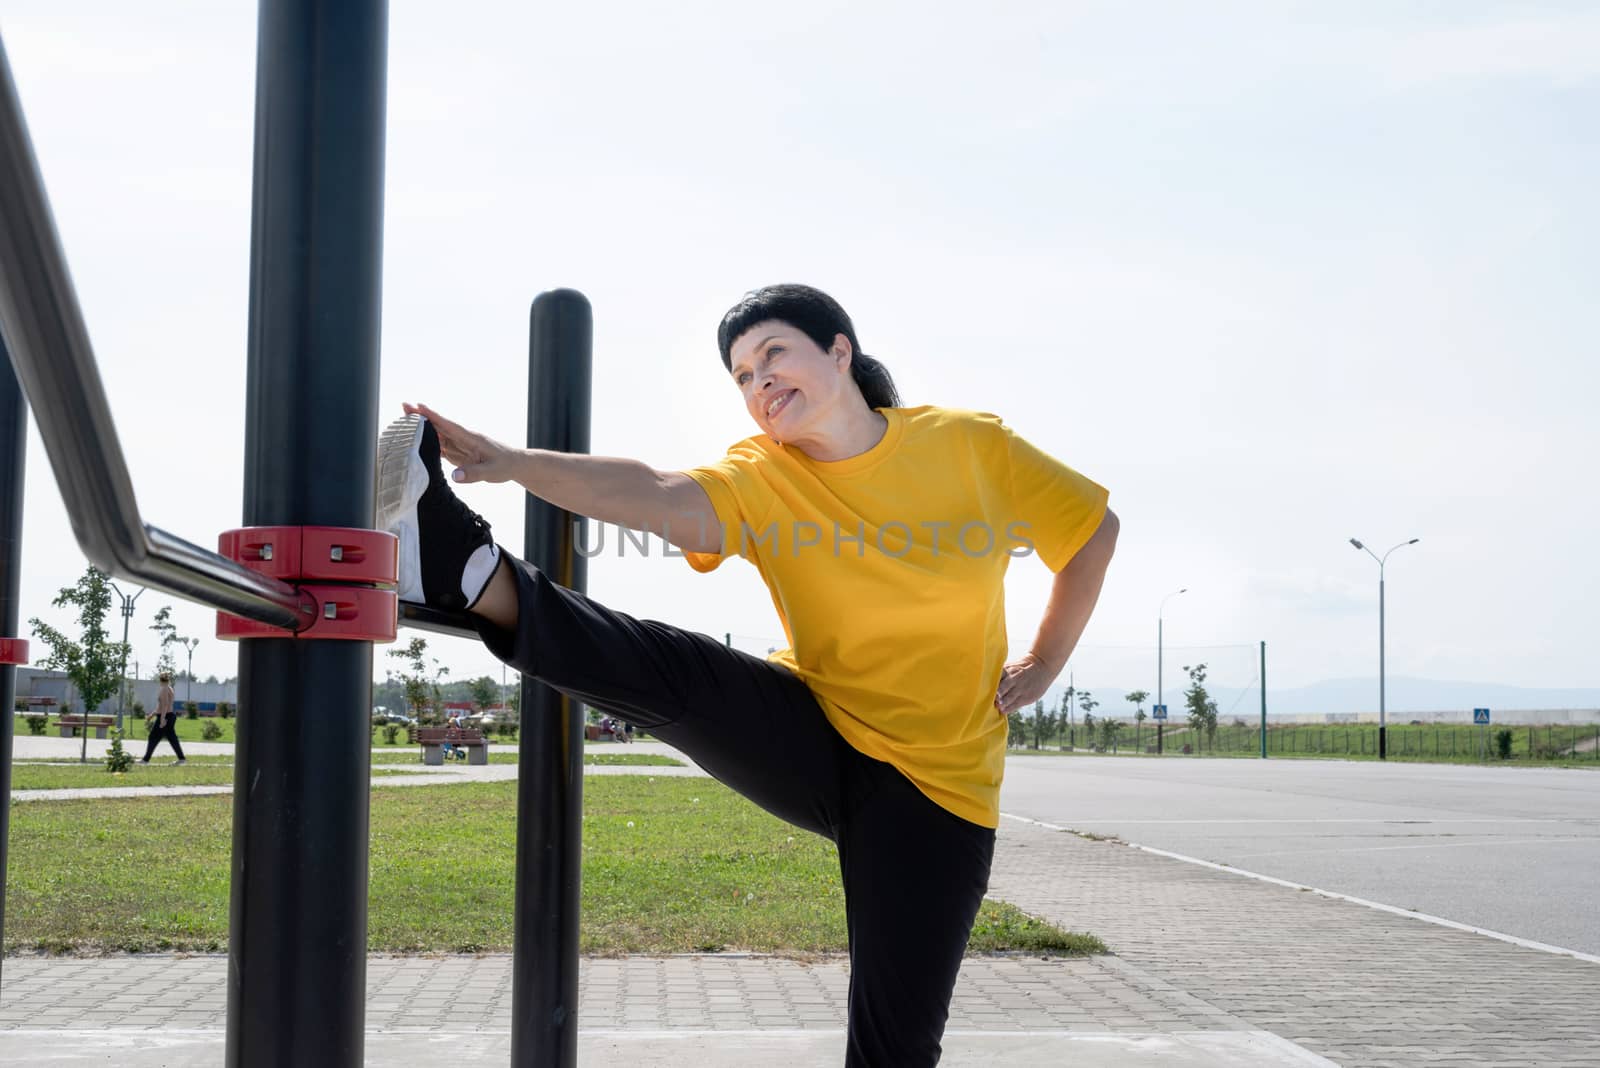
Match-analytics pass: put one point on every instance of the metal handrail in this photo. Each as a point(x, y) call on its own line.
point(49, 343)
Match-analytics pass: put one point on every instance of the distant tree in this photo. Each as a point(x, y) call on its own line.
point(483, 691)
point(1137, 699)
point(1016, 729)
point(1202, 709)
point(423, 689)
point(1086, 702)
point(163, 626)
point(1110, 730)
point(93, 663)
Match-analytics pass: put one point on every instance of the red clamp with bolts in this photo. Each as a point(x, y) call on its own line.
point(13, 651)
point(341, 568)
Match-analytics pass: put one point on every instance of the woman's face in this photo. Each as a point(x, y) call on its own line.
point(789, 385)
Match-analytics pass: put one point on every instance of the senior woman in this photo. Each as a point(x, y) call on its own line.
point(883, 533)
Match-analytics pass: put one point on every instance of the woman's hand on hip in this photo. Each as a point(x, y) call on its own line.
point(477, 457)
point(1022, 682)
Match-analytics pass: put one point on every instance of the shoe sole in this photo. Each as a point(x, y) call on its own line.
point(402, 480)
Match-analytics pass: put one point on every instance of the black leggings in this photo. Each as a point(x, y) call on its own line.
point(914, 874)
point(169, 732)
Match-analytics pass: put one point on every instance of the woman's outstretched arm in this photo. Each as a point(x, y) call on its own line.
point(626, 492)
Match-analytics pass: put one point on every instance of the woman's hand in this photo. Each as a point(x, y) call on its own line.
point(1022, 682)
point(477, 458)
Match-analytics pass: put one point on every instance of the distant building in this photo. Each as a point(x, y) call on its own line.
point(51, 690)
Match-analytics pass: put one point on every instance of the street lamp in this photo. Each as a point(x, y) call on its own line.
point(1383, 723)
point(127, 617)
point(1160, 613)
point(188, 689)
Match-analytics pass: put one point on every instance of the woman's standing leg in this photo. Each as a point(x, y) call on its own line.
point(172, 736)
point(914, 876)
point(152, 737)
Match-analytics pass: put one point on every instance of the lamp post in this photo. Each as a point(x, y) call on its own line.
point(1383, 723)
point(1160, 622)
point(127, 617)
point(188, 688)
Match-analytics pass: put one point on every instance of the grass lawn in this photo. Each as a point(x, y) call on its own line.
point(670, 866)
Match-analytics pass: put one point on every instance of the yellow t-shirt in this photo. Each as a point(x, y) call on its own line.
point(887, 573)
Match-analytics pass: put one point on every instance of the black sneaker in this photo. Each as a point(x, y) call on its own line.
point(438, 534)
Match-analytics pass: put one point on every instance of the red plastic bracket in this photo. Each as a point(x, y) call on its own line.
point(13, 650)
point(316, 554)
point(339, 566)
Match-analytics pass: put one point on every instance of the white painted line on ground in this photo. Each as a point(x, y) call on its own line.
point(1342, 850)
point(1114, 819)
point(1440, 921)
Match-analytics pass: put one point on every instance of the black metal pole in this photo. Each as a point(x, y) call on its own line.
point(13, 450)
point(298, 922)
point(544, 976)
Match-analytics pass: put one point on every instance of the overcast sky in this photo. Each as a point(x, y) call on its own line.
point(1277, 274)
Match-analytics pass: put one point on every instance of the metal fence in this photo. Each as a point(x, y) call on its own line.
point(1425, 741)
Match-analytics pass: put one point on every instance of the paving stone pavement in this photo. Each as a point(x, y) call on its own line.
point(708, 1011)
point(720, 991)
point(1357, 985)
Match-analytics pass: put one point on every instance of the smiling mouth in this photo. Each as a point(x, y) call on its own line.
point(779, 403)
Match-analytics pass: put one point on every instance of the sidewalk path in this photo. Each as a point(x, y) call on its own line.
point(441, 775)
point(705, 1011)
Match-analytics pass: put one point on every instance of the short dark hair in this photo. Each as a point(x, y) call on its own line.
point(820, 318)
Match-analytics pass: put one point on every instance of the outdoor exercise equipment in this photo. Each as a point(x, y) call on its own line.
point(307, 609)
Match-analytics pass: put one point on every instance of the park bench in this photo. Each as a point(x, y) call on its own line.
point(433, 739)
point(69, 725)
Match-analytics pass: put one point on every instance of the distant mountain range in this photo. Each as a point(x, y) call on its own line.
point(1357, 696)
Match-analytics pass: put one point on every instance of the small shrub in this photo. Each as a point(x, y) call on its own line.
point(37, 723)
point(1502, 743)
point(211, 731)
point(390, 733)
point(138, 709)
point(19, 704)
point(118, 759)
point(225, 709)
point(509, 732)
point(191, 710)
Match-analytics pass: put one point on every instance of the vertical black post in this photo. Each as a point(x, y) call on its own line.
point(1263, 700)
point(13, 449)
point(298, 924)
point(544, 977)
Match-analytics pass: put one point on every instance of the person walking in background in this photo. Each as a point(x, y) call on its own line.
point(163, 722)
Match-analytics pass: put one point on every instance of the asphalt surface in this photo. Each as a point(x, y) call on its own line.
point(1511, 850)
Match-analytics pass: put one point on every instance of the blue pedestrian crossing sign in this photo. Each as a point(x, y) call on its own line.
point(1158, 711)
point(1480, 715)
